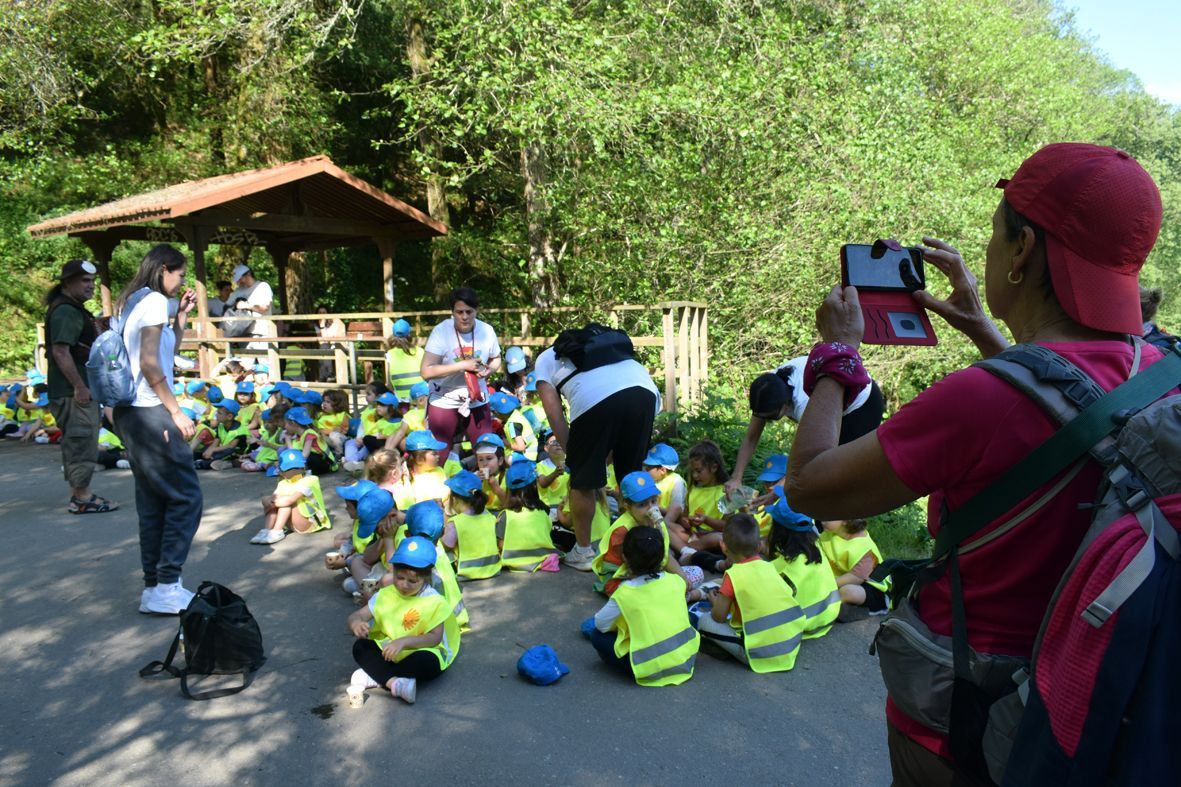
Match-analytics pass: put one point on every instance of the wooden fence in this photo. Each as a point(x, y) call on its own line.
point(678, 332)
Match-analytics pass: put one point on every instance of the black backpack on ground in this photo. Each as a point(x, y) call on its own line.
point(592, 346)
point(220, 637)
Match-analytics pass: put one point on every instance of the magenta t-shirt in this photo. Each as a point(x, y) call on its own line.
point(959, 436)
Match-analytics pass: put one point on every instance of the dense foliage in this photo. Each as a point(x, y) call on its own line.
point(582, 152)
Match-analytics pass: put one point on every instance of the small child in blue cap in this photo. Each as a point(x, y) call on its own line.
point(407, 632)
point(297, 503)
point(230, 439)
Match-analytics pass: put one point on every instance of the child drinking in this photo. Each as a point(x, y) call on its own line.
point(661, 463)
point(643, 630)
point(490, 467)
point(297, 502)
point(796, 556)
point(553, 479)
point(853, 556)
point(640, 497)
point(407, 632)
point(471, 531)
point(524, 527)
point(754, 616)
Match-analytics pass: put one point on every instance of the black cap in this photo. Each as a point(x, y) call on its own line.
point(768, 394)
point(78, 268)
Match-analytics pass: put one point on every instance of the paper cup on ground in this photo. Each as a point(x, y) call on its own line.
point(369, 584)
point(356, 695)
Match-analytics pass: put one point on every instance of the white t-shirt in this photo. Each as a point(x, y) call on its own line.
point(151, 310)
point(257, 294)
point(450, 392)
point(799, 399)
point(606, 617)
point(586, 389)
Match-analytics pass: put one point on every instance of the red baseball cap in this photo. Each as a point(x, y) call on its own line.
point(1101, 212)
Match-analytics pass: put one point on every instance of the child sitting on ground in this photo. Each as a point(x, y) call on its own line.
point(269, 440)
point(643, 630)
point(661, 463)
point(553, 478)
point(357, 449)
point(34, 421)
point(640, 497)
point(300, 435)
point(426, 478)
point(524, 527)
point(415, 416)
point(353, 542)
point(111, 453)
point(702, 524)
point(377, 516)
point(771, 477)
point(196, 398)
point(230, 438)
point(407, 632)
point(518, 432)
point(297, 502)
point(853, 556)
point(333, 421)
point(471, 531)
point(248, 406)
point(796, 556)
point(425, 520)
point(490, 467)
point(754, 616)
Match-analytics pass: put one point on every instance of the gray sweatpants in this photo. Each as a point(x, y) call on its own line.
point(167, 491)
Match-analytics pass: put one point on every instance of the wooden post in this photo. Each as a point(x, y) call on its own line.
point(279, 255)
point(352, 362)
point(683, 355)
point(670, 363)
point(385, 249)
point(198, 240)
point(273, 360)
point(703, 344)
point(341, 360)
point(525, 328)
point(694, 359)
point(101, 245)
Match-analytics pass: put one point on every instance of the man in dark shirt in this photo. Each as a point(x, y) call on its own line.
point(69, 331)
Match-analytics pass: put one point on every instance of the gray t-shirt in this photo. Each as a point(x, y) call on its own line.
point(151, 310)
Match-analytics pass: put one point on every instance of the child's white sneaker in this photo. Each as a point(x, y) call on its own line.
point(123, 464)
point(404, 689)
point(361, 678)
point(41, 439)
point(353, 467)
point(271, 536)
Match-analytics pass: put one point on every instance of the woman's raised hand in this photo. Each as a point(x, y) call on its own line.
point(961, 309)
point(839, 318)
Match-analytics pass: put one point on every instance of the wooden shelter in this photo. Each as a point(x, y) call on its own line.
point(304, 205)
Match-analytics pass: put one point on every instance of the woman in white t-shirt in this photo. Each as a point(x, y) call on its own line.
point(459, 355)
point(156, 432)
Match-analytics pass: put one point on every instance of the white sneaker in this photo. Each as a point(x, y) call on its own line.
point(221, 464)
point(361, 678)
point(272, 536)
point(144, 598)
point(353, 467)
point(167, 599)
point(123, 464)
point(580, 558)
point(259, 536)
point(405, 689)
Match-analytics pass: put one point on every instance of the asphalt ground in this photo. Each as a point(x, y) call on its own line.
point(73, 709)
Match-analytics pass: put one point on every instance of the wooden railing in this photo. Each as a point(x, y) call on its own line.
point(677, 330)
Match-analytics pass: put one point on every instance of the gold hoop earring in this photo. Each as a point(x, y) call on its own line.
point(1020, 277)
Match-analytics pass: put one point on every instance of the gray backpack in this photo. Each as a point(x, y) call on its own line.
point(108, 369)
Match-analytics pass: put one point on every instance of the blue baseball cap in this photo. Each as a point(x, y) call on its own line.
point(662, 455)
point(414, 551)
point(531, 382)
point(782, 515)
point(356, 491)
point(42, 400)
point(265, 415)
point(423, 440)
point(540, 665)
point(489, 439)
point(190, 413)
point(215, 394)
point(422, 388)
point(520, 474)
point(388, 398)
point(775, 468)
point(290, 459)
point(504, 403)
point(245, 387)
point(294, 395)
point(178, 389)
point(195, 386)
point(229, 405)
point(425, 519)
point(374, 506)
point(281, 387)
point(639, 486)
point(313, 397)
point(264, 393)
point(300, 416)
point(465, 483)
point(262, 367)
point(35, 377)
point(400, 328)
point(514, 359)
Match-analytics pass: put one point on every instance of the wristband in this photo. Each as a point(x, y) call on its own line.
point(840, 362)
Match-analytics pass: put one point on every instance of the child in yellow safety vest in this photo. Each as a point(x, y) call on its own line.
point(269, 440)
point(471, 531)
point(426, 520)
point(853, 555)
point(772, 475)
point(403, 360)
point(300, 435)
point(795, 554)
point(348, 545)
point(333, 421)
point(553, 477)
point(34, 421)
point(644, 629)
point(297, 503)
point(248, 406)
point(519, 435)
point(661, 463)
point(380, 421)
point(753, 616)
point(407, 632)
point(524, 528)
point(640, 496)
point(702, 523)
point(491, 467)
point(111, 453)
point(415, 415)
point(424, 475)
point(230, 440)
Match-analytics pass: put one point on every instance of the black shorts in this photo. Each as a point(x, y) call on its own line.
point(875, 600)
point(620, 425)
point(865, 418)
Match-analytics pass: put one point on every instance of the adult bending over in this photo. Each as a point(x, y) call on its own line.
point(156, 432)
point(781, 393)
point(612, 409)
point(70, 330)
point(1061, 271)
point(459, 355)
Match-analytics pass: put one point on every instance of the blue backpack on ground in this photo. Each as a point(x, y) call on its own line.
point(108, 370)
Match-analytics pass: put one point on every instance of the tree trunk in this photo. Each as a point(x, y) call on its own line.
point(432, 150)
point(213, 88)
point(543, 260)
point(301, 284)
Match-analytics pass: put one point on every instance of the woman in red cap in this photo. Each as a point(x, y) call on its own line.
point(1069, 236)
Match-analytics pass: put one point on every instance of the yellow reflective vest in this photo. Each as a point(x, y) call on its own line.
point(604, 570)
point(666, 486)
point(312, 508)
point(844, 553)
point(449, 587)
point(772, 621)
point(815, 591)
point(654, 631)
point(703, 500)
point(403, 370)
point(527, 539)
point(555, 493)
point(477, 556)
point(396, 616)
point(517, 425)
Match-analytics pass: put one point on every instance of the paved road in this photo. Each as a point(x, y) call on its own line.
point(74, 711)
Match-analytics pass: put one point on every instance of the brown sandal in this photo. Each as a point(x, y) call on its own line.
point(95, 505)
